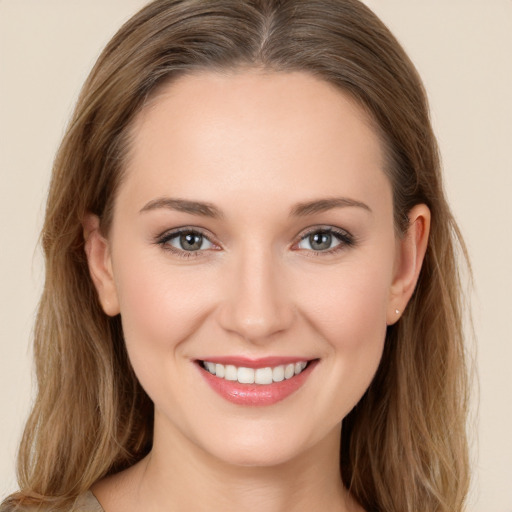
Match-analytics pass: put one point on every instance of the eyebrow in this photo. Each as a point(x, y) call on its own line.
point(322, 205)
point(209, 210)
point(183, 205)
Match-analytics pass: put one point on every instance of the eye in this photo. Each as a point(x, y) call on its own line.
point(325, 240)
point(185, 241)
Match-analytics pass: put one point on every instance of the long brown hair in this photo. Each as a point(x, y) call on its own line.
point(404, 445)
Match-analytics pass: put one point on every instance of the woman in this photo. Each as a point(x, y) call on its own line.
point(251, 295)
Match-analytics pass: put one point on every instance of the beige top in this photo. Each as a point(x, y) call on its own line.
point(87, 502)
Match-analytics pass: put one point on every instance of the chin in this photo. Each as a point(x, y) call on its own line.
point(260, 447)
point(258, 456)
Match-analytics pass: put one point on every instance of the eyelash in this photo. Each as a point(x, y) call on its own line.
point(346, 240)
point(164, 239)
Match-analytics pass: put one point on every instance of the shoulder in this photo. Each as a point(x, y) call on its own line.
point(87, 502)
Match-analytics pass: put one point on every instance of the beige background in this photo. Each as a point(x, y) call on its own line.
point(463, 51)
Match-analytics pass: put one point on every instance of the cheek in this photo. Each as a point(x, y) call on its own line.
point(348, 313)
point(160, 309)
point(349, 304)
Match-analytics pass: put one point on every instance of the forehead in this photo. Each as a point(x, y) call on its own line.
point(257, 131)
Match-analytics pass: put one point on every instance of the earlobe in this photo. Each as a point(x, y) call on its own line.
point(98, 255)
point(411, 251)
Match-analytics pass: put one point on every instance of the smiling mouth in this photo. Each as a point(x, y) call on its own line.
point(261, 376)
point(261, 382)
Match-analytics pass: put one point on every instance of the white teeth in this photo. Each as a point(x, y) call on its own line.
point(245, 375)
point(230, 372)
point(278, 374)
point(210, 367)
point(289, 371)
point(259, 376)
point(220, 370)
point(263, 376)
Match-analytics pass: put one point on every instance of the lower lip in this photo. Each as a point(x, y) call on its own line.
point(256, 394)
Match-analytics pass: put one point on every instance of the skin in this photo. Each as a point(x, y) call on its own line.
point(254, 145)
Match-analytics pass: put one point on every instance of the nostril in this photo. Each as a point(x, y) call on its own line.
point(255, 321)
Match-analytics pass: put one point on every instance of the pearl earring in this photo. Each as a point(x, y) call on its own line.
point(397, 311)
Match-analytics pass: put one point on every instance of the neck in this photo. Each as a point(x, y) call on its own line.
point(179, 475)
point(178, 471)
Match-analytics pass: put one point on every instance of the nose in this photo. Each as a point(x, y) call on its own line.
point(257, 305)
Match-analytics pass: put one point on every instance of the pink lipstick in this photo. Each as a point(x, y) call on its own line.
point(255, 382)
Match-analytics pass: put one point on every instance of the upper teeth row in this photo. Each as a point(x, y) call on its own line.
point(255, 376)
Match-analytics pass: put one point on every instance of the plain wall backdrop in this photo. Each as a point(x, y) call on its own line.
point(462, 49)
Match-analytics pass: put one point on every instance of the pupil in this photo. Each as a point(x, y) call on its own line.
point(320, 241)
point(191, 241)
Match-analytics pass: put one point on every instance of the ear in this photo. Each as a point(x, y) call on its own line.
point(98, 255)
point(410, 253)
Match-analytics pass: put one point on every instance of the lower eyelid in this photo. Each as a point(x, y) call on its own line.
point(165, 238)
point(344, 238)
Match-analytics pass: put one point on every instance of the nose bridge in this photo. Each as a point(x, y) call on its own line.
point(257, 305)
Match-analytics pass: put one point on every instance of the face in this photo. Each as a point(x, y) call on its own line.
point(253, 232)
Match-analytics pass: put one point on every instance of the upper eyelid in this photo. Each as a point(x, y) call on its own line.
point(345, 238)
point(163, 240)
point(170, 233)
point(323, 227)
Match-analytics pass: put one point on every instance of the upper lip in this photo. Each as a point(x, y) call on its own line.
point(262, 362)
